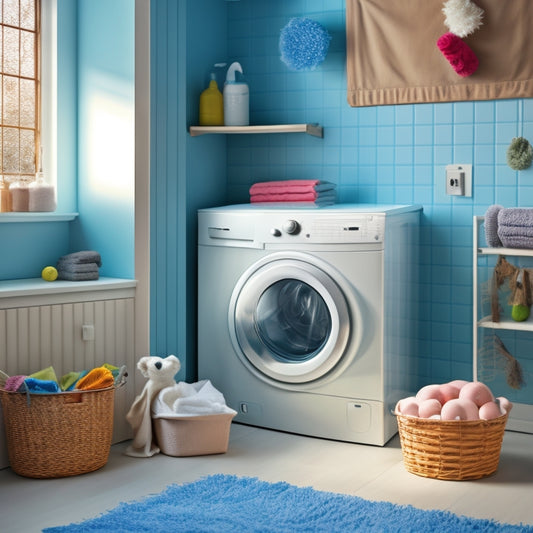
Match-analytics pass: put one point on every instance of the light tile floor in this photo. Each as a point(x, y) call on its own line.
point(28, 505)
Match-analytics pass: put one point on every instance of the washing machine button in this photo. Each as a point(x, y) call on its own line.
point(292, 227)
point(275, 232)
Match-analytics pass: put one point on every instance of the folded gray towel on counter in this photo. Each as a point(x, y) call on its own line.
point(83, 257)
point(77, 276)
point(65, 266)
point(516, 216)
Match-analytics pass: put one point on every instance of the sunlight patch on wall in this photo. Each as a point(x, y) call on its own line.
point(110, 139)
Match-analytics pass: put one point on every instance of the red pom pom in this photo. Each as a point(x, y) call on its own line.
point(459, 54)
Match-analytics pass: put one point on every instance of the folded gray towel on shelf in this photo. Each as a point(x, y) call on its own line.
point(65, 266)
point(491, 226)
point(518, 241)
point(514, 231)
point(77, 276)
point(516, 216)
point(83, 257)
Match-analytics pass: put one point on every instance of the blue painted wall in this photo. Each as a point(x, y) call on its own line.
point(106, 129)
point(377, 154)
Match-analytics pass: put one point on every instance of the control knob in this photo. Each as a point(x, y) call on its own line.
point(292, 227)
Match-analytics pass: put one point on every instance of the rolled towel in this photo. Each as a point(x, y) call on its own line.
point(516, 216)
point(97, 378)
point(83, 257)
point(41, 386)
point(77, 276)
point(491, 226)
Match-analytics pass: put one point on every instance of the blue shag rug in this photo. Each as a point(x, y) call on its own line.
point(222, 503)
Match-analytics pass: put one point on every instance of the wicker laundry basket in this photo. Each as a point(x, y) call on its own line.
point(452, 450)
point(58, 435)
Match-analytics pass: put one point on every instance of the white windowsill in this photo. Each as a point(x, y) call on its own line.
point(36, 291)
point(37, 217)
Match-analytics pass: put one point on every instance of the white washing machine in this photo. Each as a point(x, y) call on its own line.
point(307, 316)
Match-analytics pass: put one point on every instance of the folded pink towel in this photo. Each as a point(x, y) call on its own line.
point(314, 197)
point(290, 186)
point(289, 197)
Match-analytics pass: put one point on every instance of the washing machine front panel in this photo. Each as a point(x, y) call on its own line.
point(290, 321)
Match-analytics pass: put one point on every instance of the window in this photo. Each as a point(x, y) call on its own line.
point(20, 88)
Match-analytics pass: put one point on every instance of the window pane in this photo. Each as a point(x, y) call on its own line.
point(27, 103)
point(27, 56)
point(27, 149)
point(11, 101)
point(11, 12)
point(11, 51)
point(27, 14)
point(11, 151)
point(19, 86)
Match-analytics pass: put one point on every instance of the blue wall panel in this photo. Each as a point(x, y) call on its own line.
point(186, 173)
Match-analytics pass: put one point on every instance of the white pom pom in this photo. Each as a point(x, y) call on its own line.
point(463, 17)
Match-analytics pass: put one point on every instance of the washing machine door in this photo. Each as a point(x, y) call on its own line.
point(290, 320)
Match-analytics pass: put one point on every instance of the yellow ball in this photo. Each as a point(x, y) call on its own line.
point(49, 273)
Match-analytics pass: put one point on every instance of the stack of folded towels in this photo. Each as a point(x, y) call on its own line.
point(79, 266)
point(512, 227)
point(301, 191)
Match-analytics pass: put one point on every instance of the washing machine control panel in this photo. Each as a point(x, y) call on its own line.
point(324, 230)
point(292, 227)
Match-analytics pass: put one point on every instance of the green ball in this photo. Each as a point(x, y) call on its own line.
point(519, 313)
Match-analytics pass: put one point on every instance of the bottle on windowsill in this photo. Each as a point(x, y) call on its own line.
point(5, 197)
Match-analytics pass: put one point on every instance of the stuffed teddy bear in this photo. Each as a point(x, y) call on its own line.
point(160, 373)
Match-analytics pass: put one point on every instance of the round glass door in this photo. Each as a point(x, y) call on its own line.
point(292, 320)
point(289, 321)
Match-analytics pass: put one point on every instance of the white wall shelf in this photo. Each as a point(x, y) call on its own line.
point(521, 417)
point(310, 129)
point(36, 217)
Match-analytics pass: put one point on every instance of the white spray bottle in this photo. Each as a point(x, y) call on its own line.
point(236, 99)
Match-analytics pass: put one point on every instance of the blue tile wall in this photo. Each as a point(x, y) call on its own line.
point(388, 154)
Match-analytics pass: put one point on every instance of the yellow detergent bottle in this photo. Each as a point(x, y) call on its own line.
point(212, 105)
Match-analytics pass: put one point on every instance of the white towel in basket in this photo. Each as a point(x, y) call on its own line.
point(189, 399)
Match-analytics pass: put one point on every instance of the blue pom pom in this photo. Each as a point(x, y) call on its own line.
point(303, 44)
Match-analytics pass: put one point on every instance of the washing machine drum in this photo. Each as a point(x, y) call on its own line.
point(290, 320)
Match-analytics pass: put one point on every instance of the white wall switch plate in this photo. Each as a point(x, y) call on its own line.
point(459, 180)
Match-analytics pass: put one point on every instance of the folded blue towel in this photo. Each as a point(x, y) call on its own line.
point(41, 386)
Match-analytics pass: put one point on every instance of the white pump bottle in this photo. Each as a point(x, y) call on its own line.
point(236, 99)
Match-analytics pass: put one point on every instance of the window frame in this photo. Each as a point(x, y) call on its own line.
point(25, 173)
